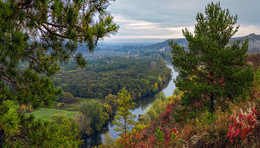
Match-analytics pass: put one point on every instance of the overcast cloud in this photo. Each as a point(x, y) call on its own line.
point(139, 19)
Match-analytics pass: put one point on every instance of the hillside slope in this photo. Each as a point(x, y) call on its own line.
point(234, 124)
point(253, 40)
point(202, 132)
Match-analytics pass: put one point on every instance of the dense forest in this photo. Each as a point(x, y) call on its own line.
point(104, 76)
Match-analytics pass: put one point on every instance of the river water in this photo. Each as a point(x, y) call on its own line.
point(142, 104)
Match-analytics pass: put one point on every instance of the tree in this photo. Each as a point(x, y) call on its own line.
point(212, 72)
point(112, 101)
point(124, 117)
point(84, 124)
point(67, 130)
point(68, 98)
point(40, 34)
point(93, 110)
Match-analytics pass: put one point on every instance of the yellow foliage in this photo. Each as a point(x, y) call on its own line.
point(170, 98)
point(156, 85)
point(22, 108)
point(30, 109)
point(140, 127)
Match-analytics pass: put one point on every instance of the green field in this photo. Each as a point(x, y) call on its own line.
point(70, 110)
point(46, 113)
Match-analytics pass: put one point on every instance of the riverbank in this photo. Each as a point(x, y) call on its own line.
point(142, 104)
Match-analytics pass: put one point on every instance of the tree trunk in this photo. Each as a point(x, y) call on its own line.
point(125, 127)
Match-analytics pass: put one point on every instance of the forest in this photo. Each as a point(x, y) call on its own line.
point(140, 76)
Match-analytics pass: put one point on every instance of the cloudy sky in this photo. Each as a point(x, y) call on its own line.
point(140, 20)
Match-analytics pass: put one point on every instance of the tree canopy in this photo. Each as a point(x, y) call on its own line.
point(139, 76)
point(43, 33)
point(210, 72)
point(40, 34)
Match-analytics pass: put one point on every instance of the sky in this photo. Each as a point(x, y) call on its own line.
point(158, 20)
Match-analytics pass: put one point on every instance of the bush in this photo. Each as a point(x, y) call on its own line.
point(108, 139)
point(145, 118)
point(60, 105)
point(243, 125)
point(68, 98)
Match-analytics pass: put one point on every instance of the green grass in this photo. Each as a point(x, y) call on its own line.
point(70, 110)
point(46, 113)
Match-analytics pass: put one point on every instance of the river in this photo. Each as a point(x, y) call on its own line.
point(142, 104)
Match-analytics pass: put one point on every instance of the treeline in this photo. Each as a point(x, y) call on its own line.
point(104, 76)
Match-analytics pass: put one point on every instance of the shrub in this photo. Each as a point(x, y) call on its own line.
point(68, 98)
point(144, 118)
point(60, 105)
point(108, 139)
point(243, 125)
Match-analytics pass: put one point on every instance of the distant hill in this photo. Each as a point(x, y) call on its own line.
point(253, 39)
point(164, 46)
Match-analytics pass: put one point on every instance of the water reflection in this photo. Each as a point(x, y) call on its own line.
point(142, 104)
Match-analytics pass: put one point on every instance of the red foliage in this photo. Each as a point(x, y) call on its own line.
point(169, 106)
point(134, 140)
point(198, 103)
point(152, 140)
point(187, 132)
point(243, 125)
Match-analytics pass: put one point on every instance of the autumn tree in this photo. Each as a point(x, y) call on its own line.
point(124, 117)
point(212, 72)
point(40, 34)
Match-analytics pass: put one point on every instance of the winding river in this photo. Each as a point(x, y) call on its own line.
point(142, 104)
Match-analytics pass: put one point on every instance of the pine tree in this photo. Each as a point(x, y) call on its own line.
point(211, 71)
point(124, 117)
point(39, 34)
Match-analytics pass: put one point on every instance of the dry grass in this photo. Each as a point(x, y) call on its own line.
point(254, 59)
